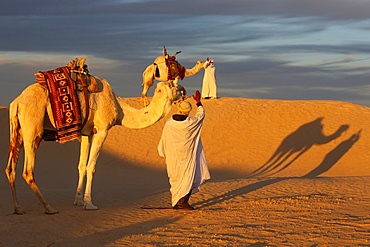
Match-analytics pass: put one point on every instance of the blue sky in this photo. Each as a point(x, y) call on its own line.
point(270, 49)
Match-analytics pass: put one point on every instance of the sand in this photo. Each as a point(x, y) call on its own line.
point(284, 173)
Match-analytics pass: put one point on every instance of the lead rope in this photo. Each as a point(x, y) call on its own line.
point(85, 93)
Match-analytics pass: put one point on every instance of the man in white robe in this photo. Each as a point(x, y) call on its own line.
point(182, 148)
point(209, 87)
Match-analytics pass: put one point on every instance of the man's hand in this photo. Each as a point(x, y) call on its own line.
point(196, 96)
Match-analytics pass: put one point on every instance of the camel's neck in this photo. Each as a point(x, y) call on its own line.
point(190, 72)
point(134, 118)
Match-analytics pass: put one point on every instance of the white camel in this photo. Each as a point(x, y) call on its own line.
point(29, 110)
point(159, 71)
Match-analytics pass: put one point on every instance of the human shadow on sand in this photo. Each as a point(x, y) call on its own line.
point(334, 156)
point(296, 144)
point(328, 162)
point(119, 236)
point(237, 192)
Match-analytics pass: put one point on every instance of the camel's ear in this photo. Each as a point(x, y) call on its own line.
point(178, 52)
point(39, 75)
point(72, 64)
point(81, 63)
point(40, 78)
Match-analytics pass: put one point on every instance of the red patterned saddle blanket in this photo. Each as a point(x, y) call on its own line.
point(65, 103)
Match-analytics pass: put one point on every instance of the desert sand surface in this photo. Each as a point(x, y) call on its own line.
point(284, 173)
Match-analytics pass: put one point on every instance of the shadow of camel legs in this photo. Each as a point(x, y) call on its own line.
point(329, 161)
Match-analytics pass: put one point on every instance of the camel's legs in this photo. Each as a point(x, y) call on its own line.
point(29, 135)
point(175, 82)
point(145, 100)
point(148, 81)
point(84, 155)
point(11, 174)
point(96, 145)
point(146, 86)
point(29, 165)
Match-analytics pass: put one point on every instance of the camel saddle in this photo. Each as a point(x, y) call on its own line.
point(63, 84)
point(174, 68)
point(79, 73)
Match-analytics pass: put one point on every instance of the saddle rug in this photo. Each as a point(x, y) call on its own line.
point(174, 69)
point(65, 104)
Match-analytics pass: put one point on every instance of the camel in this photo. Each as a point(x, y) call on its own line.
point(159, 71)
point(29, 112)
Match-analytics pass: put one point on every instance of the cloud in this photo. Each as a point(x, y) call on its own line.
point(335, 9)
point(270, 49)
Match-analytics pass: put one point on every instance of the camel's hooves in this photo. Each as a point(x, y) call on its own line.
point(145, 101)
point(51, 210)
point(78, 202)
point(48, 212)
point(19, 211)
point(90, 207)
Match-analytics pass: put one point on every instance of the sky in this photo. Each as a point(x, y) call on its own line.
point(264, 49)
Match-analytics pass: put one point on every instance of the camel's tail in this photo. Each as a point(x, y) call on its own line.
point(15, 135)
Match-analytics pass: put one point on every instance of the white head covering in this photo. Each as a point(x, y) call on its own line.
point(184, 108)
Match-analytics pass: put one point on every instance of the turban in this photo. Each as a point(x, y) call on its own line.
point(184, 108)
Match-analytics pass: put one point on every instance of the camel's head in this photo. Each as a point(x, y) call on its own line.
point(200, 64)
point(174, 93)
point(178, 93)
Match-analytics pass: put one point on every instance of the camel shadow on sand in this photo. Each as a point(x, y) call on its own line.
point(292, 147)
point(295, 145)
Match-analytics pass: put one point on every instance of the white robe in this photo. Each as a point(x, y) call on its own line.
point(182, 147)
point(209, 87)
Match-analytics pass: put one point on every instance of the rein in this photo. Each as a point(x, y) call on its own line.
point(86, 97)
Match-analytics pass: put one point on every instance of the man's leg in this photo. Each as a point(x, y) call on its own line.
point(183, 203)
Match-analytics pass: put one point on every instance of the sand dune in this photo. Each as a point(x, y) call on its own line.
point(284, 173)
point(240, 135)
